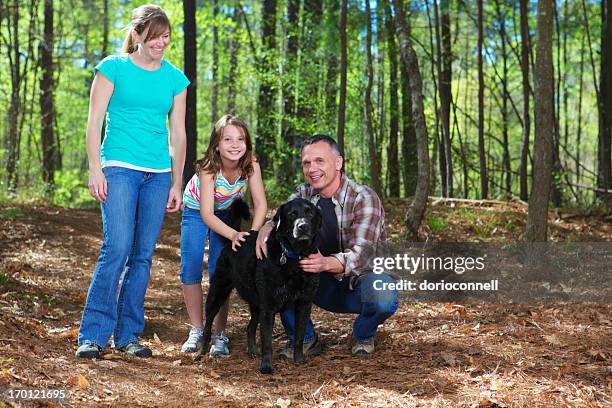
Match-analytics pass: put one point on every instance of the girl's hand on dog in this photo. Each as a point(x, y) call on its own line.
point(237, 240)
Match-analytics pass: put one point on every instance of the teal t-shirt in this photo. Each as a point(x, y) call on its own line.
point(136, 130)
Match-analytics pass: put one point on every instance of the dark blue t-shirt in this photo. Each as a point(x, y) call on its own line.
point(328, 236)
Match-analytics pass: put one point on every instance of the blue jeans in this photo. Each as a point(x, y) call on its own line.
point(335, 296)
point(132, 217)
point(193, 241)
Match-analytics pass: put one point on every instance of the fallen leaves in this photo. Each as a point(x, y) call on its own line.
point(283, 403)
point(79, 380)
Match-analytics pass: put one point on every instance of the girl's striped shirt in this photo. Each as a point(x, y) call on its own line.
point(225, 193)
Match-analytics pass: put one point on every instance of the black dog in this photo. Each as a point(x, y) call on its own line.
point(272, 283)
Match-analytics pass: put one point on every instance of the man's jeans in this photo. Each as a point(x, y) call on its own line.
point(335, 296)
point(132, 217)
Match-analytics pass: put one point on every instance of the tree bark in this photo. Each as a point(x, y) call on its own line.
point(288, 125)
point(232, 78)
point(604, 168)
point(484, 178)
point(525, 51)
point(416, 211)
point(376, 185)
point(393, 179)
point(266, 124)
point(537, 218)
point(501, 21)
point(13, 53)
point(445, 75)
point(343, 75)
point(190, 55)
point(214, 97)
point(47, 106)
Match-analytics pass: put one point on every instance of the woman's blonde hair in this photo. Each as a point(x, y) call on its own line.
point(147, 16)
point(211, 162)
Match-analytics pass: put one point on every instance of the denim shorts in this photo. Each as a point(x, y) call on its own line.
point(193, 242)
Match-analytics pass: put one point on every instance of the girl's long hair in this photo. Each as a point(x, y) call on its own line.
point(147, 16)
point(211, 162)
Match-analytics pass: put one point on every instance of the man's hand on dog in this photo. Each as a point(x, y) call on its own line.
point(317, 263)
point(238, 238)
point(261, 246)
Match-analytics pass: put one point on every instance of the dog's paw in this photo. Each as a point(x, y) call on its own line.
point(265, 369)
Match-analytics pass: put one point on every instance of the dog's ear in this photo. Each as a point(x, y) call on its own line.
point(277, 217)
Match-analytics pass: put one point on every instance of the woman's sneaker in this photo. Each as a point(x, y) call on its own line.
point(194, 341)
point(136, 349)
point(88, 350)
point(219, 345)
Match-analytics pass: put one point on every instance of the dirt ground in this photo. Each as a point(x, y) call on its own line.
point(428, 354)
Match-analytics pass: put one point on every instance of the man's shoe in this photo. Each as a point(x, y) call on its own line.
point(219, 345)
point(363, 348)
point(88, 350)
point(136, 349)
point(195, 340)
point(311, 348)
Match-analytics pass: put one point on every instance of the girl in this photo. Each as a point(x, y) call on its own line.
point(133, 175)
point(221, 177)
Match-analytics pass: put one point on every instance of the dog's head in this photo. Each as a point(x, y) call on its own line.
point(297, 224)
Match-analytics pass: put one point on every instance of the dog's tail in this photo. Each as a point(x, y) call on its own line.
point(239, 210)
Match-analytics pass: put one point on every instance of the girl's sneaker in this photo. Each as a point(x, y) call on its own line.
point(194, 341)
point(219, 345)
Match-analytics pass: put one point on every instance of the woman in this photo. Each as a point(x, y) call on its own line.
point(134, 175)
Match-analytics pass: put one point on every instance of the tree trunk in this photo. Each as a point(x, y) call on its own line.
point(343, 75)
point(525, 50)
point(416, 211)
point(579, 121)
point(445, 75)
point(434, 53)
point(105, 31)
point(266, 123)
point(409, 141)
point(604, 169)
point(537, 219)
point(47, 106)
point(190, 54)
point(376, 185)
point(393, 179)
point(484, 178)
point(14, 56)
point(214, 97)
point(331, 79)
point(501, 21)
point(288, 125)
point(233, 65)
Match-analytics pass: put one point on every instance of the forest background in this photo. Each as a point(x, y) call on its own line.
point(295, 68)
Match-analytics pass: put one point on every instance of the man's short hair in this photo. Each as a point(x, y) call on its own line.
point(322, 138)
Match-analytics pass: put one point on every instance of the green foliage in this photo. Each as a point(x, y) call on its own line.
point(13, 213)
point(71, 191)
point(437, 224)
point(4, 279)
point(78, 48)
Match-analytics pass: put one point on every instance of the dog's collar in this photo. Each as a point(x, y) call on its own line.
point(286, 253)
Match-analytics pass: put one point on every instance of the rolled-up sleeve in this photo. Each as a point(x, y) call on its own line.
point(364, 232)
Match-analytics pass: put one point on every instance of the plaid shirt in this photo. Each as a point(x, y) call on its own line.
point(360, 217)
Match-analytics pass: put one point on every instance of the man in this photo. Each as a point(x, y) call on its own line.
point(353, 219)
